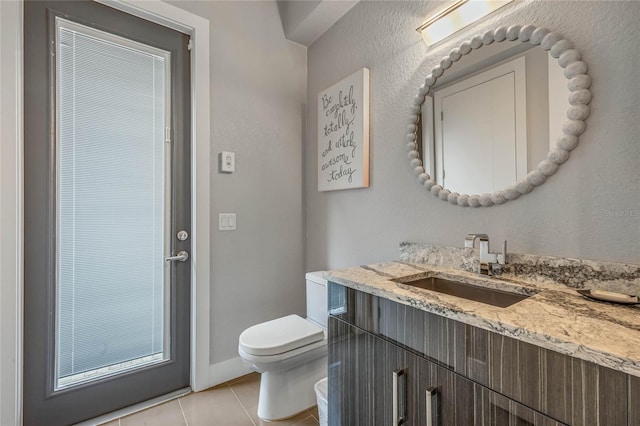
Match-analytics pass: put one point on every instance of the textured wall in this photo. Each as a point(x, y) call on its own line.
point(258, 82)
point(574, 214)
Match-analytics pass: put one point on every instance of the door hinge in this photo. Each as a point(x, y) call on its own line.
point(190, 45)
point(167, 134)
point(441, 115)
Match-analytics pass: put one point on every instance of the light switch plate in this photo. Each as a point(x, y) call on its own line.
point(226, 221)
point(227, 161)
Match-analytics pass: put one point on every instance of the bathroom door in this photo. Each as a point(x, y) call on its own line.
point(486, 153)
point(107, 194)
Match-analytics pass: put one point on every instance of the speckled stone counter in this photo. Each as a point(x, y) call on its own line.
point(555, 317)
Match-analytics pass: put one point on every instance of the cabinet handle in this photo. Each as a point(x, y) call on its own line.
point(397, 419)
point(431, 408)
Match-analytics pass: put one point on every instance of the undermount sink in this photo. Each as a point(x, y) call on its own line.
point(489, 296)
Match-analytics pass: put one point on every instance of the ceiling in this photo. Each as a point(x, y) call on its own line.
point(304, 21)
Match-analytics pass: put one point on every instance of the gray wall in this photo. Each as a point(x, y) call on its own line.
point(572, 215)
point(258, 83)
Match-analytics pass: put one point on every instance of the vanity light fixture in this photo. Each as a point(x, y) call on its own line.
point(455, 17)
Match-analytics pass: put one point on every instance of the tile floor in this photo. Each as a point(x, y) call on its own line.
point(230, 404)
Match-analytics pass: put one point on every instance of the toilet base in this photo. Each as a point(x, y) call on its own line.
point(284, 394)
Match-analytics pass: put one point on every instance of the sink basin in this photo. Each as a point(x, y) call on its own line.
point(489, 296)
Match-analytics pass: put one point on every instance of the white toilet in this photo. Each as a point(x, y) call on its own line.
point(291, 354)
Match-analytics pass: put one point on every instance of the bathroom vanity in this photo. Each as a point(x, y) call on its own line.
point(399, 354)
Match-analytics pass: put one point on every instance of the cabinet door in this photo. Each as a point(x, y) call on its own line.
point(455, 400)
point(491, 408)
point(442, 397)
point(371, 381)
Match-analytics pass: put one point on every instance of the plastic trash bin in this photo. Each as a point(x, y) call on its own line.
point(321, 388)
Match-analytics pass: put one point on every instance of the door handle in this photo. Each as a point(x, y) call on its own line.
point(397, 418)
point(431, 408)
point(182, 256)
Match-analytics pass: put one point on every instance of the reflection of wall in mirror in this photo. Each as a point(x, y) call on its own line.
point(558, 101)
point(537, 107)
point(547, 103)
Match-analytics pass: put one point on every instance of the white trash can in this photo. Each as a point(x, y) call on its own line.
point(321, 388)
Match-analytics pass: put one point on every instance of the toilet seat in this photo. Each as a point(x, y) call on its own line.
point(279, 336)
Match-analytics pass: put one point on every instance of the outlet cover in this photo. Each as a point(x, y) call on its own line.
point(227, 161)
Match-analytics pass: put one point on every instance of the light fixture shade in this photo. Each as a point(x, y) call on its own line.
point(455, 17)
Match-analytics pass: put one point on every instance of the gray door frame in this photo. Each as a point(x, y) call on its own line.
point(12, 192)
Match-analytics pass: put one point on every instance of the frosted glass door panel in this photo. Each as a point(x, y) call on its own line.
point(112, 207)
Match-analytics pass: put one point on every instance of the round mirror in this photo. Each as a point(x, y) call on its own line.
point(493, 126)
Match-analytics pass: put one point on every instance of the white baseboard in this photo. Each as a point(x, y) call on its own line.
point(227, 370)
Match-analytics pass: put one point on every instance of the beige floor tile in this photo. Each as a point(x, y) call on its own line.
point(115, 422)
point(230, 404)
point(167, 414)
point(309, 421)
point(301, 419)
point(248, 391)
point(314, 412)
point(214, 407)
point(242, 378)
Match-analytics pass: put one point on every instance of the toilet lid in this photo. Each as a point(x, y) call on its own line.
point(279, 335)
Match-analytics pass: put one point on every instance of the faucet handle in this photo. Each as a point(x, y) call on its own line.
point(470, 239)
point(502, 257)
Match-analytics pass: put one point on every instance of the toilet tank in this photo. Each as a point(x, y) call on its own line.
point(317, 298)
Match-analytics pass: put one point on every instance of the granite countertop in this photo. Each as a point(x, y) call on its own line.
point(554, 317)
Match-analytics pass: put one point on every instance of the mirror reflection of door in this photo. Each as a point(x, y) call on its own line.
point(480, 130)
point(453, 143)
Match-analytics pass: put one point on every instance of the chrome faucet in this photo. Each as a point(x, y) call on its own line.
point(487, 259)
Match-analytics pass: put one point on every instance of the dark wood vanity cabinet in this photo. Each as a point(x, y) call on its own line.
point(475, 377)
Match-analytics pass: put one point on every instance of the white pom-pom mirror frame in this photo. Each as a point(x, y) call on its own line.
point(575, 70)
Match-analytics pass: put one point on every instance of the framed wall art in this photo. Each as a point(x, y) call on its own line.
point(343, 134)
